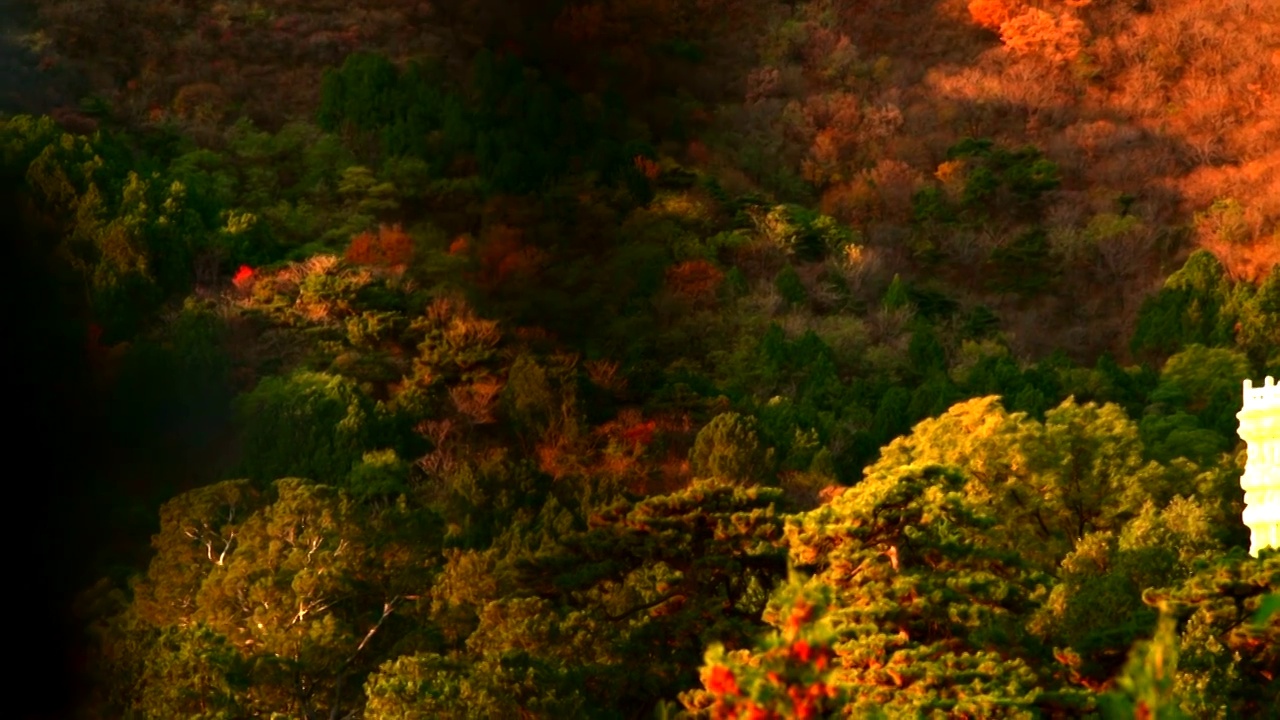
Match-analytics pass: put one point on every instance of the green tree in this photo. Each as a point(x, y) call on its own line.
point(920, 601)
point(1187, 310)
point(1095, 612)
point(192, 672)
point(1205, 382)
point(308, 424)
point(275, 604)
point(1080, 471)
point(1258, 328)
point(1227, 663)
point(430, 686)
point(1146, 687)
point(729, 447)
point(639, 593)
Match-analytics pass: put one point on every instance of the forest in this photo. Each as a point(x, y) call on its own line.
point(641, 359)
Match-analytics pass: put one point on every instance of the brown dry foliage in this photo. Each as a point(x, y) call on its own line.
point(201, 102)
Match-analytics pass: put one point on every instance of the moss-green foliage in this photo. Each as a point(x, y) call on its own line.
point(1258, 321)
point(1207, 382)
point(790, 288)
point(252, 602)
point(180, 373)
point(1014, 178)
point(1187, 310)
point(1079, 471)
point(380, 474)
point(897, 296)
point(427, 686)
point(1226, 663)
point(1023, 266)
point(311, 425)
point(925, 352)
point(1096, 609)
point(523, 130)
point(728, 447)
point(660, 578)
point(929, 600)
point(1146, 685)
point(805, 235)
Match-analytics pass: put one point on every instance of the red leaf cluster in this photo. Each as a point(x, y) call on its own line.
point(793, 662)
point(640, 434)
point(94, 342)
point(631, 429)
point(461, 245)
point(244, 277)
point(720, 681)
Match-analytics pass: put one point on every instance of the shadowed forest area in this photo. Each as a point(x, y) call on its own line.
point(695, 359)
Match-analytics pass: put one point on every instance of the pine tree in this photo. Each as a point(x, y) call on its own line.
point(926, 613)
point(1229, 661)
point(631, 600)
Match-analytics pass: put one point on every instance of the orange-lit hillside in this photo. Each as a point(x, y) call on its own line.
point(1178, 102)
point(1164, 111)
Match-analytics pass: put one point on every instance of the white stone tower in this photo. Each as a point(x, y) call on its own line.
point(1260, 428)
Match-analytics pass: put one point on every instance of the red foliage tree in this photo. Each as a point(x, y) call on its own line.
point(391, 247)
point(504, 255)
point(698, 153)
point(461, 245)
point(695, 281)
point(94, 342)
point(647, 167)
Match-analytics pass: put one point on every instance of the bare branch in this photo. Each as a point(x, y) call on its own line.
point(227, 546)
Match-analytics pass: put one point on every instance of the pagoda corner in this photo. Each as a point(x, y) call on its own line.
point(1259, 418)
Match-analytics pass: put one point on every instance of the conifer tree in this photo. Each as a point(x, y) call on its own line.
point(729, 447)
point(1229, 658)
point(1095, 613)
point(631, 600)
point(926, 612)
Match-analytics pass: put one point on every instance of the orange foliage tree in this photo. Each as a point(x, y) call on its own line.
point(1057, 35)
point(390, 247)
point(504, 255)
point(695, 281)
point(1057, 38)
point(991, 14)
